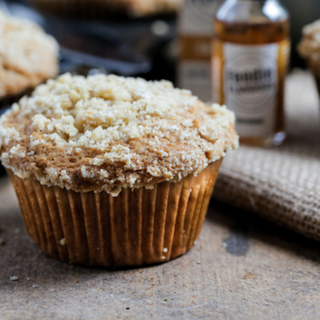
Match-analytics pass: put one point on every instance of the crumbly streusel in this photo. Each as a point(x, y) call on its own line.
point(108, 132)
point(309, 47)
point(28, 56)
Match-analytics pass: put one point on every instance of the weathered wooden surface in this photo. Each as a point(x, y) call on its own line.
point(241, 268)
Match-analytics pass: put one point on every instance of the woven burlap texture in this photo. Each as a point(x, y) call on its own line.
point(281, 184)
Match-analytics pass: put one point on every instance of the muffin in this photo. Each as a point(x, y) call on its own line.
point(28, 58)
point(113, 171)
point(309, 49)
point(100, 8)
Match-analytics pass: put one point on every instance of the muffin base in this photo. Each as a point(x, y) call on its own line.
point(139, 227)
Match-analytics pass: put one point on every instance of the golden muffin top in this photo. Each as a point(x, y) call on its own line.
point(109, 132)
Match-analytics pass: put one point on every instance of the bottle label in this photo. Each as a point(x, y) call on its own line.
point(250, 86)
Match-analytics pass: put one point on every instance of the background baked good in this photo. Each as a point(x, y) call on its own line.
point(28, 56)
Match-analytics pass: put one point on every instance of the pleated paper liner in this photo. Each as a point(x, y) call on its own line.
point(139, 227)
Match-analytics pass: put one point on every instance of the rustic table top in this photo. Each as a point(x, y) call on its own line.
point(241, 268)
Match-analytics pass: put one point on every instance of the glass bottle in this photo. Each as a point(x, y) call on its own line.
point(195, 43)
point(249, 65)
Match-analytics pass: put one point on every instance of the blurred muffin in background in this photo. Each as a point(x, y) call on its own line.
point(309, 49)
point(28, 57)
point(100, 8)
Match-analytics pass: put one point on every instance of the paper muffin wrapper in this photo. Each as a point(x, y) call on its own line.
point(139, 227)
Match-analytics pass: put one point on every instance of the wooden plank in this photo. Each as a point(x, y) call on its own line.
point(241, 268)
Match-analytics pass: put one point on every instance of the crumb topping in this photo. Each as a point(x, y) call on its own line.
point(109, 132)
point(28, 56)
point(309, 47)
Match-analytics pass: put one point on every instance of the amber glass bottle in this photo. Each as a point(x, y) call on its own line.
point(249, 64)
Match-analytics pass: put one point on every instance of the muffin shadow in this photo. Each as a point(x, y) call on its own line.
point(246, 226)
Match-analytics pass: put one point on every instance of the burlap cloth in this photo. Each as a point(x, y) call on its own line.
point(281, 184)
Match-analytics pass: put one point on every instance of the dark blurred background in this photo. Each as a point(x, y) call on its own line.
point(144, 47)
point(128, 46)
